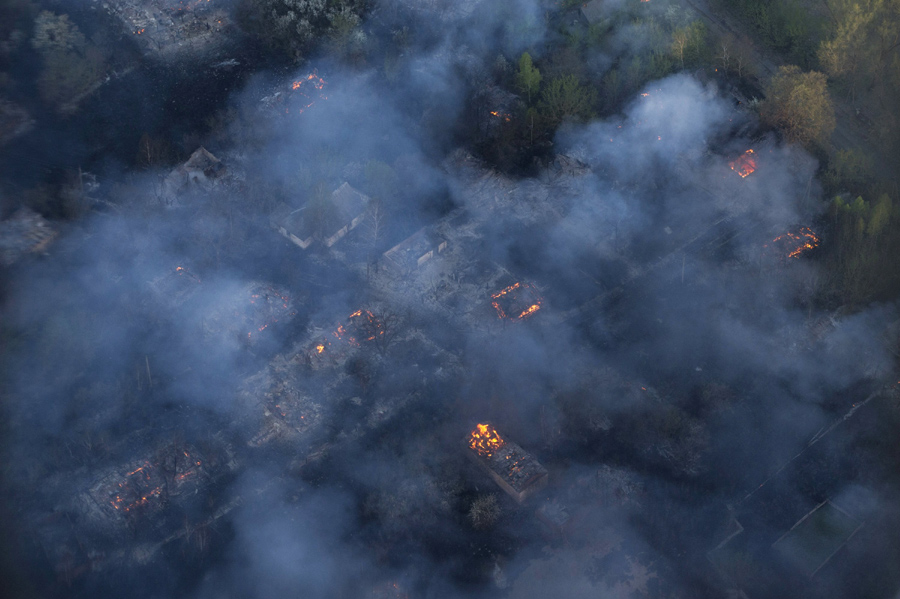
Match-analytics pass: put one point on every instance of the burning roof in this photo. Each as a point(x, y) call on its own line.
point(24, 232)
point(745, 164)
point(517, 302)
point(514, 469)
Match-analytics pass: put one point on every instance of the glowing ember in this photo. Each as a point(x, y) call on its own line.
point(362, 325)
point(744, 164)
point(270, 305)
point(516, 302)
point(792, 245)
point(148, 482)
point(485, 440)
point(502, 115)
point(309, 89)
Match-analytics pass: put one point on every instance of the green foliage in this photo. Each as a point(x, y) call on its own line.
point(565, 97)
point(783, 25)
point(293, 26)
point(866, 243)
point(863, 218)
point(799, 104)
point(611, 87)
point(848, 170)
point(689, 44)
point(72, 66)
point(528, 77)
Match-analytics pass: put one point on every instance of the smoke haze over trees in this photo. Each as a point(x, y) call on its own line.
point(301, 251)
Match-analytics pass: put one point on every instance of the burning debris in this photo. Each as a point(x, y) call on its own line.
point(502, 115)
point(517, 302)
point(300, 95)
point(361, 327)
point(149, 485)
point(268, 305)
point(515, 470)
point(744, 164)
point(250, 310)
point(22, 233)
point(793, 244)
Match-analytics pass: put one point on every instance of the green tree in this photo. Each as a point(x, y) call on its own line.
point(565, 97)
point(72, 66)
point(528, 78)
point(799, 104)
point(688, 42)
point(292, 26)
point(864, 42)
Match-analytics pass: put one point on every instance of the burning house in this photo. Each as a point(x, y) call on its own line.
point(25, 232)
point(296, 97)
point(147, 497)
point(515, 470)
point(361, 327)
point(327, 222)
point(171, 28)
point(793, 244)
point(517, 301)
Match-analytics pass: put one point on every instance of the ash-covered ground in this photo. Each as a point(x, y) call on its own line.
point(196, 406)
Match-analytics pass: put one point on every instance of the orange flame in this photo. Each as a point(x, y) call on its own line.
point(744, 164)
point(502, 115)
point(800, 242)
point(511, 290)
point(485, 440)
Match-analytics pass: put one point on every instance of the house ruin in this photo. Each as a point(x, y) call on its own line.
point(417, 249)
point(202, 171)
point(327, 222)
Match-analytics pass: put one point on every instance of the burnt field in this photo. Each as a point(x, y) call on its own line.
point(339, 347)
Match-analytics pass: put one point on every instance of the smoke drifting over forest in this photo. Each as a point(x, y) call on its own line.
point(673, 353)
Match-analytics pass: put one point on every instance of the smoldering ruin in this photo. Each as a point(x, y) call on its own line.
point(335, 351)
